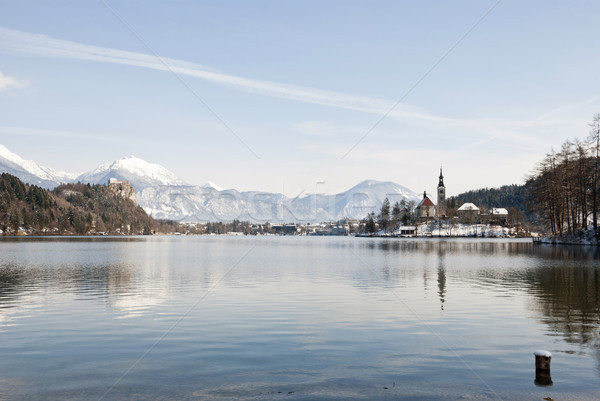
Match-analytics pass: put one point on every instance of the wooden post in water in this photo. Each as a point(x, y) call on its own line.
point(542, 368)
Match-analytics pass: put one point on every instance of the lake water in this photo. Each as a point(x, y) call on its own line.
point(296, 318)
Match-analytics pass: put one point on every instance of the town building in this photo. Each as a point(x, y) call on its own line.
point(468, 212)
point(406, 230)
point(499, 215)
point(285, 229)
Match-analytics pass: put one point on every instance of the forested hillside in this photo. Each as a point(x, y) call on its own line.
point(71, 209)
point(514, 196)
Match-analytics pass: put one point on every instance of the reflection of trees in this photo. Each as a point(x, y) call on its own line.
point(11, 279)
point(564, 280)
point(18, 280)
point(450, 246)
point(569, 298)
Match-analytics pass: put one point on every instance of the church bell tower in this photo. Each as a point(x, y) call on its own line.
point(441, 196)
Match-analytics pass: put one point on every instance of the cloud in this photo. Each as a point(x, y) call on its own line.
point(488, 129)
point(42, 45)
point(7, 82)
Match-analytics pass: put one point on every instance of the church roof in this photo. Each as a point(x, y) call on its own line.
point(426, 202)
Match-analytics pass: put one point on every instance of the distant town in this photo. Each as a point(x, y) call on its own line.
point(133, 197)
point(403, 219)
point(84, 209)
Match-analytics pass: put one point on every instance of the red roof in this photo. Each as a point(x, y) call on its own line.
point(426, 202)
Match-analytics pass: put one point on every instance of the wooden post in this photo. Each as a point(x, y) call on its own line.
point(542, 368)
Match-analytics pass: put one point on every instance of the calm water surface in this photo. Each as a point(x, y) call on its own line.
point(295, 318)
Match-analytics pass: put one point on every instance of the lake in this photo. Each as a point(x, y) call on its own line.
point(296, 318)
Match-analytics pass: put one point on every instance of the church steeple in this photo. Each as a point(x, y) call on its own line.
point(441, 196)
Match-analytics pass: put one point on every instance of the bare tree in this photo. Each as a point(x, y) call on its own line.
point(594, 139)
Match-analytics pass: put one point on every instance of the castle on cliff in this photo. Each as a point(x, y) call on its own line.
point(122, 188)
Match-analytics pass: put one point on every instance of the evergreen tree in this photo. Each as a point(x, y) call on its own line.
point(370, 226)
point(396, 215)
point(384, 219)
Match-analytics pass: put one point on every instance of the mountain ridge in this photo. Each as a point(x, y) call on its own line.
point(140, 173)
point(30, 171)
point(165, 196)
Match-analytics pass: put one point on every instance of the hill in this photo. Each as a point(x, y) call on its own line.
point(71, 209)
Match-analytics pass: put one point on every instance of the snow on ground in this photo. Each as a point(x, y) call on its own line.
point(433, 229)
point(587, 237)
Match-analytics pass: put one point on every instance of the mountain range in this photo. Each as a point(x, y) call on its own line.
point(165, 196)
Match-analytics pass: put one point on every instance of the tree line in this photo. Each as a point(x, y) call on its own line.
point(72, 209)
point(566, 185)
point(389, 217)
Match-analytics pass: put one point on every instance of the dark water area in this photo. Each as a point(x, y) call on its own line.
point(298, 318)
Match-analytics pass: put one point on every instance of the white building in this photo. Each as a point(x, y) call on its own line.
point(468, 211)
point(499, 215)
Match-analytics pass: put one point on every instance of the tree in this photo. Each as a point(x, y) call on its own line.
point(594, 139)
point(370, 226)
point(396, 215)
point(384, 221)
point(15, 221)
point(565, 186)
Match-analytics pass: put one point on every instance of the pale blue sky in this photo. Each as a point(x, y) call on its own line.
point(276, 95)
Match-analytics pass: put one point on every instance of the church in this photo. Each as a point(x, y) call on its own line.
point(427, 209)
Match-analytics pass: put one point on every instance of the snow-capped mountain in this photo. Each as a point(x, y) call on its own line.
point(164, 196)
point(358, 201)
point(138, 172)
point(202, 203)
point(211, 184)
point(30, 172)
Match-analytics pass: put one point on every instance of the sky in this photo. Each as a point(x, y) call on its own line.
point(300, 96)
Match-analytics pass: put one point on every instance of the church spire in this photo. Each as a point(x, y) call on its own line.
point(441, 196)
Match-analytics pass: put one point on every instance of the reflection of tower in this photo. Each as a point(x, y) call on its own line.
point(441, 196)
point(441, 277)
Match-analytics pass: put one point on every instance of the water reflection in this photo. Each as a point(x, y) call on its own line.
point(569, 299)
point(483, 247)
point(306, 304)
point(564, 281)
point(441, 278)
